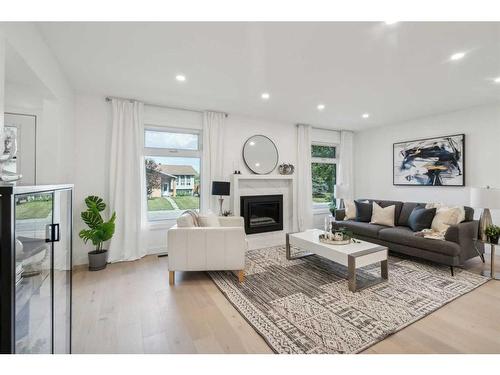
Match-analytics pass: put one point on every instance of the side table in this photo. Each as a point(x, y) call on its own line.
point(491, 273)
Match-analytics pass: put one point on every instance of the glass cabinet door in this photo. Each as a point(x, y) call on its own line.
point(33, 276)
point(62, 272)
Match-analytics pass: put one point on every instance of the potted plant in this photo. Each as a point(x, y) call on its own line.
point(99, 231)
point(493, 233)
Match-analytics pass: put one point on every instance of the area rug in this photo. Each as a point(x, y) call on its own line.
point(305, 306)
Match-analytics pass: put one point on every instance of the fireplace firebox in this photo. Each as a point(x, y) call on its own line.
point(262, 213)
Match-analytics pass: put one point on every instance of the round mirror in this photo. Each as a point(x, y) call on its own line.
point(260, 154)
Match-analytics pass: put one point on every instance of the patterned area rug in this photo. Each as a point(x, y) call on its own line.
point(304, 305)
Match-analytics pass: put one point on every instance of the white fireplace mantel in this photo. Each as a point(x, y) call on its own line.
point(269, 184)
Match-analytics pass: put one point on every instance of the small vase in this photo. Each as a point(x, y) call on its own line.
point(493, 240)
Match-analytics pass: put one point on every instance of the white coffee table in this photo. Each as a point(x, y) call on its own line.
point(354, 255)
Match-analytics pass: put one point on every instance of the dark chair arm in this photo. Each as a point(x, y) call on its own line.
point(339, 214)
point(463, 234)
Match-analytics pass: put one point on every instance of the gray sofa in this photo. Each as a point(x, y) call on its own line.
point(458, 246)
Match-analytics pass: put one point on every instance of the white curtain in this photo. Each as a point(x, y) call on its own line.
point(304, 179)
point(345, 171)
point(127, 195)
point(213, 158)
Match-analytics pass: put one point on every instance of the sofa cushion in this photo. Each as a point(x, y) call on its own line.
point(209, 220)
point(363, 211)
point(469, 213)
point(361, 228)
point(397, 209)
point(350, 209)
point(406, 211)
point(405, 236)
point(421, 218)
point(382, 216)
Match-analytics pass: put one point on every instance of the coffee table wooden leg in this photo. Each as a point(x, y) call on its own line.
point(351, 270)
point(384, 273)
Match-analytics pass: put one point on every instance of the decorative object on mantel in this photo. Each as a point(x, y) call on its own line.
point(227, 213)
point(260, 154)
point(99, 231)
point(8, 150)
point(286, 169)
point(221, 188)
point(438, 161)
point(485, 198)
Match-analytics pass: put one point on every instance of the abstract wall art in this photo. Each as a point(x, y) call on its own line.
point(436, 161)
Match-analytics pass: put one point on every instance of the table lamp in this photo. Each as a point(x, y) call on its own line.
point(484, 198)
point(220, 188)
point(341, 192)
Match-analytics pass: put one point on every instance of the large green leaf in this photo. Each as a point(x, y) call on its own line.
point(94, 202)
point(92, 218)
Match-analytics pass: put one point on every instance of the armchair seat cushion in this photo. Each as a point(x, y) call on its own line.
point(405, 236)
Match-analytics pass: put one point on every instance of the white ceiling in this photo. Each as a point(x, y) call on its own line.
point(395, 72)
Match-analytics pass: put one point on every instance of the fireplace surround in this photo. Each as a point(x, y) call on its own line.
point(262, 213)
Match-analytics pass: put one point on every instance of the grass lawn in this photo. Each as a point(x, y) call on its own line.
point(159, 204)
point(322, 199)
point(187, 202)
point(33, 210)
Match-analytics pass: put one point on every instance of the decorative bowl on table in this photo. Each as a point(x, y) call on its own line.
point(337, 237)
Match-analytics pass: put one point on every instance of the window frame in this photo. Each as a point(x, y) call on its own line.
point(320, 208)
point(171, 152)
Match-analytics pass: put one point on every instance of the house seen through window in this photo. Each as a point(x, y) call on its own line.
point(172, 182)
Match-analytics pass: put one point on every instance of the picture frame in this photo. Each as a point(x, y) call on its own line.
point(435, 161)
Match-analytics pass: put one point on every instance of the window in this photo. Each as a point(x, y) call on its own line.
point(324, 174)
point(172, 158)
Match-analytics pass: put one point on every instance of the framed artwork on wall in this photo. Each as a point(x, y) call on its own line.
point(438, 161)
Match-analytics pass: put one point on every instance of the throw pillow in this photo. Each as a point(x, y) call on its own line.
point(437, 206)
point(383, 216)
point(445, 217)
point(421, 218)
point(185, 221)
point(363, 211)
point(350, 210)
point(210, 220)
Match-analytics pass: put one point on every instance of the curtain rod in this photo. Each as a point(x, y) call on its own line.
point(109, 98)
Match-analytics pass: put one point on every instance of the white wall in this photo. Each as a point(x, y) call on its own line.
point(373, 155)
point(55, 114)
point(92, 134)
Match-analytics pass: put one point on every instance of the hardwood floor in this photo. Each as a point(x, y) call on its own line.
point(130, 308)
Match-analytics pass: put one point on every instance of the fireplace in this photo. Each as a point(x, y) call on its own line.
point(262, 213)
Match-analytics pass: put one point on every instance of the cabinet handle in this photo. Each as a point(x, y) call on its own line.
point(54, 233)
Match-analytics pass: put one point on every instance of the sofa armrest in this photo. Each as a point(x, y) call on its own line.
point(340, 214)
point(463, 233)
point(231, 221)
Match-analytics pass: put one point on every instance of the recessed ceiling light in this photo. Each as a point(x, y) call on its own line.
point(265, 95)
point(388, 23)
point(180, 77)
point(457, 56)
point(365, 115)
point(320, 107)
point(497, 80)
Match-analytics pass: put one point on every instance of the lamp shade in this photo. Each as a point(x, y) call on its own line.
point(485, 197)
point(220, 188)
point(342, 191)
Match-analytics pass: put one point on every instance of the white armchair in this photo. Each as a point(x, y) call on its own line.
point(208, 248)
